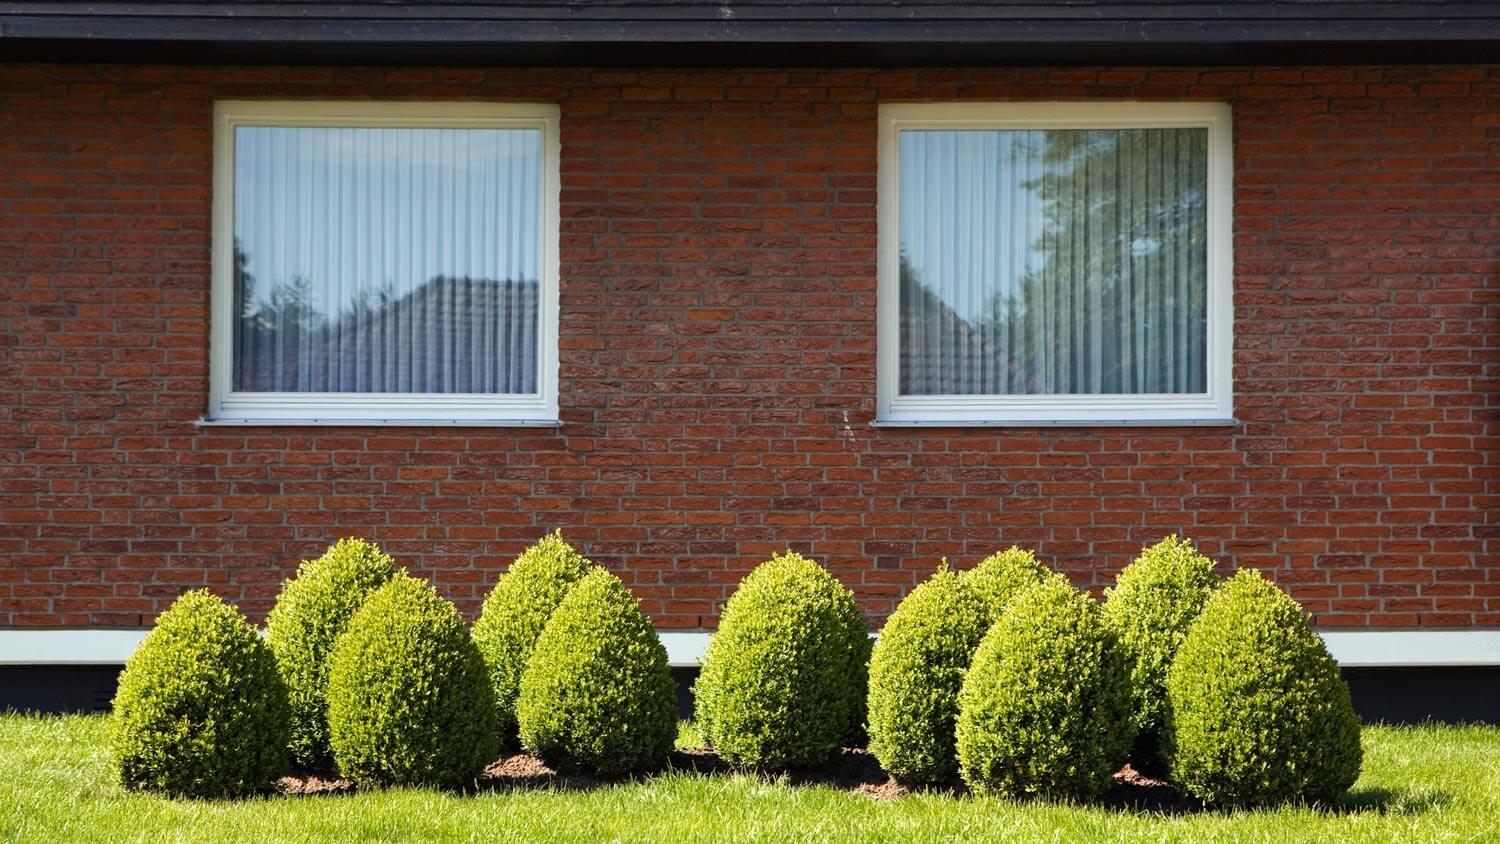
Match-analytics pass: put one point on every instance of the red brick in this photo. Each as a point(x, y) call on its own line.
point(718, 343)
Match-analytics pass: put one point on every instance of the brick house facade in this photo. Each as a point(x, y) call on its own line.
point(717, 354)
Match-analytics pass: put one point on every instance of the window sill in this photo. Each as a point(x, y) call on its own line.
point(1054, 423)
point(378, 423)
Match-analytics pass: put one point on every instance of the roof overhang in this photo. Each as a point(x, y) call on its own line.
point(789, 33)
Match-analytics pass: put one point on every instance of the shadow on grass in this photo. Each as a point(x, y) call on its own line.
point(1391, 801)
point(511, 772)
point(1161, 798)
point(849, 770)
point(1134, 792)
point(1156, 797)
point(857, 771)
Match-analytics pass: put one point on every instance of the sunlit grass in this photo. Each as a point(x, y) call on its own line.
point(1420, 784)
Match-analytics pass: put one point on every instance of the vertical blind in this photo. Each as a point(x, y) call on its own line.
point(386, 260)
point(1053, 262)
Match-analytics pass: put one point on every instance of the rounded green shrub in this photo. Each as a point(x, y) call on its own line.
point(1001, 576)
point(200, 710)
point(597, 693)
point(783, 680)
point(916, 670)
point(1256, 710)
point(1150, 607)
point(514, 614)
point(310, 613)
point(1045, 708)
point(409, 702)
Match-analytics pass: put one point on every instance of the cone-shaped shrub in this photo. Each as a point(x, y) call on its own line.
point(1045, 707)
point(408, 699)
point(916, 670)
point(200, 711)
point(783, 679)
point(1002, 576)
point(514, 614)
point(310, 613)
point(1153, 602)
point(597, 693)
point(1257, 712)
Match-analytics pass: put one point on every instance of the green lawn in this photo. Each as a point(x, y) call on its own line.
point(57, 785)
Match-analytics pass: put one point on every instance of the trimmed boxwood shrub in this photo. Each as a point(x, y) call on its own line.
point(310, 613)
point(783, 680)
point(919, 661)
point(1001, 576)
point(597, 693)
point(200, 710)
point(514, 614)
point(408, 699)
point(916, 671)
point(1257, 711)
point(1045, 708)
point(1150, 607)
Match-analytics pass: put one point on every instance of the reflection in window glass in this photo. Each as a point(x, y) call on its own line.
point(1053, 262)
point(386, 260)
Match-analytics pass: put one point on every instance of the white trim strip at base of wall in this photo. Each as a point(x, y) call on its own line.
point(1352, 648)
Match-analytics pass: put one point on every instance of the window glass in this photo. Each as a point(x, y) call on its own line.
point(1053, 261)
point(386, 260)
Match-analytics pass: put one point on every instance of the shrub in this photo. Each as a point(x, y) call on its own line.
point(920, 659)
point(1257, 712)
point(1153, 602)
point(1045, 707)
point(916, 670)
point(514, 614)
point(597, 693)
point(200, 710)
point(311, 611)
point(1002, 576)
point(783, 680)
point(408, 699)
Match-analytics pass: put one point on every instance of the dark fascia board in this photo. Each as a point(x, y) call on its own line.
point(815, 11)
point(903, 33)
point(748, 55)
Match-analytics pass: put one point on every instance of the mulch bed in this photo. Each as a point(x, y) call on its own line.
point(852, 770)
point(1136, 791)
point(522, 771)
point(302, 783)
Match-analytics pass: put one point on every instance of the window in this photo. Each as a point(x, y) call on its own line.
point(1055, 263)
point(384, 263)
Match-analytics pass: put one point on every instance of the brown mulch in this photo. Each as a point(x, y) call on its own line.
point(522, 771)
point(302, 783)
point(518, 766)
point(888, 790)
point(1136, 791)
point(852, 769)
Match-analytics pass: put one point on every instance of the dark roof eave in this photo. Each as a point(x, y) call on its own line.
point(116, 37)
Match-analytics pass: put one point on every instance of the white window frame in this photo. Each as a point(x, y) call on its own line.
point(226, 406)
point(1216, 406)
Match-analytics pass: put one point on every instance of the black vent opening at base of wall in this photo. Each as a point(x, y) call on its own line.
point(1414, 695)
point(58, 688)
point(1388, 695)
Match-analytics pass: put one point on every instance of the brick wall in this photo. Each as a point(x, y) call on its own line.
point(718, 355)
